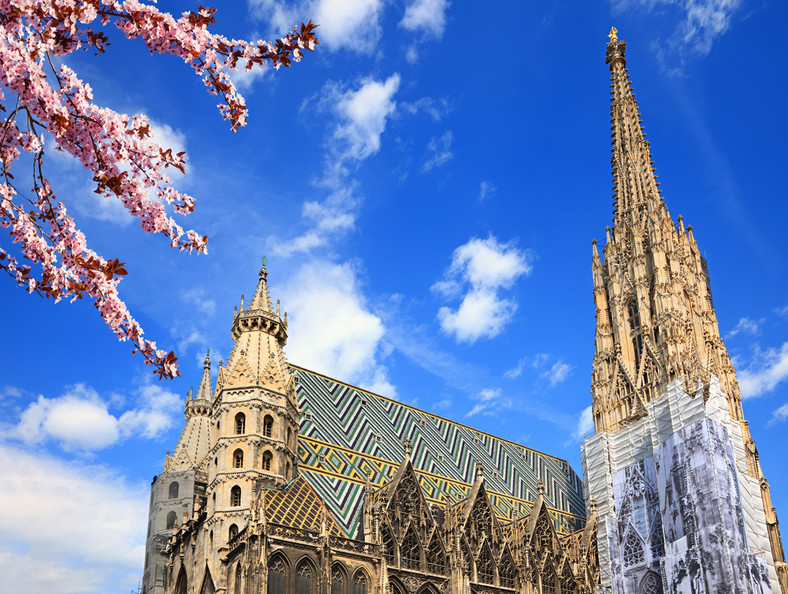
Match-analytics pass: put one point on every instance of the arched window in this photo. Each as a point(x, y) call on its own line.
point(360, 583)
point(549, 580)
point(410, 550)
point(276, 575)
point(238, 458)
point(267, 457)
point(435, 557)
point(634, 328)
point(181, 582)
point(232, 532)
point(388, 544)
point(288, 473)
point(290, 438)
point(506, 571)
point(304, 578)
point(650, 584)
point(484, 566)
point(337, 580)
point(235, 496)
point(268, 426)
point(171, 520)
point(238, 579)
point(633, 549)
point(174, 490)
point(240, 423)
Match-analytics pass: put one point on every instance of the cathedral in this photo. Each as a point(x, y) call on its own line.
point(286, 481)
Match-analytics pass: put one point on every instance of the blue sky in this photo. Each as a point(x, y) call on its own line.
point(426, 188)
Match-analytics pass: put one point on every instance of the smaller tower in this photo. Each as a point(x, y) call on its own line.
point(255, 416)
point(174, 491)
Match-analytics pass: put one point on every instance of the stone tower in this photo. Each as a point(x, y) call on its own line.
point(682, 501)
point(174, 491)
point(255, 414)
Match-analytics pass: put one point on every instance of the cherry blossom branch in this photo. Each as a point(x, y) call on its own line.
point(115, 148)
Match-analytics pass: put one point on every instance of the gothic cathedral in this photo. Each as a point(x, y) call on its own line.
point(286, 481)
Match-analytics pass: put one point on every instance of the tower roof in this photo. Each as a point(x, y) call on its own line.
point(195, 437)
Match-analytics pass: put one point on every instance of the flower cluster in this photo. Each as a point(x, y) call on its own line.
point(36, 97)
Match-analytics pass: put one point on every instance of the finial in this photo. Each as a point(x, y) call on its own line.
point(540, 488)
point(479, 470)
point(613, 35)
point(277, 308)
point(207, 363)
point(189, 393)
point(592, 503)
point(593, 242)
point(265, 261)
point(406, 446)
point(242, 303)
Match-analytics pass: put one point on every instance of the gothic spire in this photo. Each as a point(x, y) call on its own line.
point(635, 188)
point(654, 314)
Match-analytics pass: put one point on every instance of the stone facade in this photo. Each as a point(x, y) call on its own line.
point(683, 504)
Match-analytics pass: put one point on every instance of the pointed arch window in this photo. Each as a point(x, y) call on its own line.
point(650, 584)
point(235, 496)
point(506, 570)
point(240, 424)
point(549, 580)
point(388, 544)
point(304, 578)
point(337, 580)
point(238, 578)
point(267, 457)
point(290, 438)
point(360, 583)
point(410, 550)
point(276, 575)
point(171, 520)
point(633, 549)
point(232, 532)
point(238, 459)
point(435, 557)
point(633, 316)
point(485, 571)
point(174, 490)
point(268, 426)
point(181, 584)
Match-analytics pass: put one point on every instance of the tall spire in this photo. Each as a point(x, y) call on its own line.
point(655, 317)
point(635, 188)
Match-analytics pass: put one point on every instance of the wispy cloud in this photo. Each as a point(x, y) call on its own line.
point(482, 269)
point(557, 373)
point(324, 301)
point(57, 506)
point(486, 190)
point(779, 415)
point(438, 151)
point(768, 369)
point(80, 419)
point(488, 401)
point(746, 326)
point(585, 424)
point(426, 16)
point(695, 26)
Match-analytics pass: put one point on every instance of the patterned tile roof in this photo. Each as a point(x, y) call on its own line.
point(347, 432)
point(298, 505)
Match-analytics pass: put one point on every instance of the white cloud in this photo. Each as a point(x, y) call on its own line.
point(245, 79)
point(488, 401)
point(699, 24)
point(486, 190)
point(73, 528)
point(80, 419)
point(444, 404)
point(769, 368)
point(488, 267)
point(747, 326)
point(557, 373)
point(437, 109)
point(779, 415)
point(362, 116)
point(439, 151)
point(428, 16)
point(197, 297)
point(781, 311)
point(585, 424)
point(349, 24)
point(333, 330)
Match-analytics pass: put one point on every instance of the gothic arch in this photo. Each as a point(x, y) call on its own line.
point(207, 583)
point(428, 589)
point(238, 458)
point(632, 549)
point(410, 549)
point(436, 555)
point(339, 578)
point(396, 586)
point(171, 519)
point(268, 426)
point(305, 576)
point(267, 462)
point(549, 578)
point(238, 586)
point(362, 582)
point(650, 584)
point(485, 567)
point(173, 494)
point(388, 543)
point(182, 583)
point(240, 423)
point(507, 573)
point(278, 567)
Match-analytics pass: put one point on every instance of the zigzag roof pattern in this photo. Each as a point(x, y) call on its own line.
point(347, 433)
